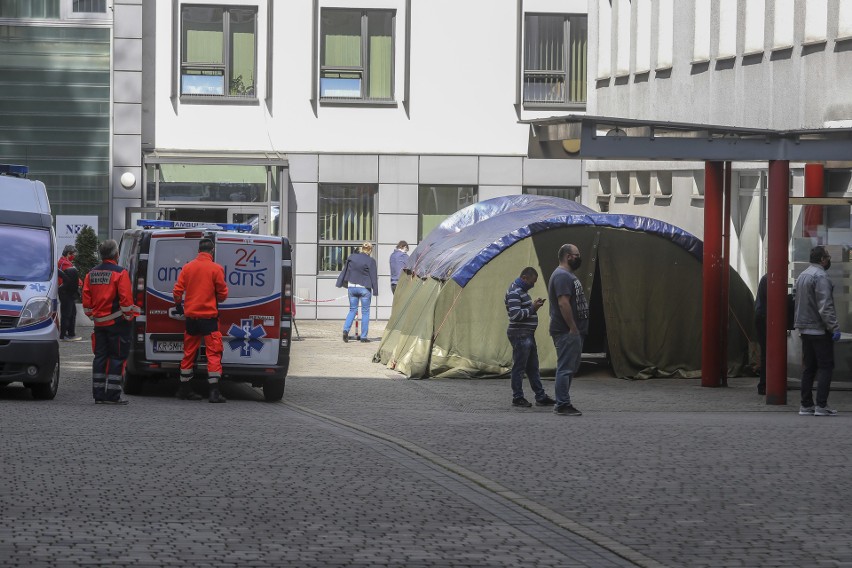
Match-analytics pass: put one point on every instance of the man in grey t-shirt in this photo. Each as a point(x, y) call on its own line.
point(569, 324)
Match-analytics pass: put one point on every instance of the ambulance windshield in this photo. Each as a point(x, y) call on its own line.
point(25, 254)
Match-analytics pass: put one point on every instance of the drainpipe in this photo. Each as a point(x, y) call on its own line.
point(711, 367)
point(725, 278)
point(776, 282)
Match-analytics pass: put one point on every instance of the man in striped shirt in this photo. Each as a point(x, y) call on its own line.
point(523, 320)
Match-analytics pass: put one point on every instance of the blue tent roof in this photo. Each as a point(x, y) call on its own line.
point(471, 237)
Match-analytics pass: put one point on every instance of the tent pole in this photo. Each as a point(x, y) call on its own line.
point(711, 367)
point(776, 284)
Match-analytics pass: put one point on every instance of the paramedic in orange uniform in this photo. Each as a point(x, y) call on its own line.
point(108, 302)
point(199, 289)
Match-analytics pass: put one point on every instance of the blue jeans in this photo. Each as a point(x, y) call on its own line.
point(569, 348)
point(363, 295)
point(525, 359)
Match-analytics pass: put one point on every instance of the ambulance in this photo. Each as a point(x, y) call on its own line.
point(29, 324)
point(255, 320)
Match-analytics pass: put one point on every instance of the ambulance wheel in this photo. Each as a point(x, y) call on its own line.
point(47, 391)
point(273, 390)
point(132, 384)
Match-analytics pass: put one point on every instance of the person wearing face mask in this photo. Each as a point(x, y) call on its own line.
point(523, 320)
point(816, 320)
point(569, 324)
point(69, 287)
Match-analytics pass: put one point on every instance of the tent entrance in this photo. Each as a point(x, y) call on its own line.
point(596, 347)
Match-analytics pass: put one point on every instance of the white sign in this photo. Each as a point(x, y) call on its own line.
point(69, 226)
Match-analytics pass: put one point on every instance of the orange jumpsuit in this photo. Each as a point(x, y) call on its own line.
point(108, 301)
point(201, 286)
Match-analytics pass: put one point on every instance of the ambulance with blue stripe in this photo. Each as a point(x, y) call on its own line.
point(29, 332)
point(255, 320)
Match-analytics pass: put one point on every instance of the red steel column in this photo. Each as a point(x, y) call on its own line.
point(711, 367)
point(778, 229)
point(814, 187)
point(725, 278)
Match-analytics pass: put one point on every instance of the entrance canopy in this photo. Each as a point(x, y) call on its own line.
point(612, 138)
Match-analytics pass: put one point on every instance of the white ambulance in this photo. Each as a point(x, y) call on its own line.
point(255, 321)
point(29, 333)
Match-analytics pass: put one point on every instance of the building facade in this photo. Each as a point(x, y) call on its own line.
point(747, 63)
point(335, 122)
point(55, 98)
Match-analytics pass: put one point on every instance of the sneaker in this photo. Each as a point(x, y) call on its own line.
point(566, 410)
point(824, 411)
point(522, 402)
point(75, 338)
point(345, 337)
point(806, 411)
point(364, 340)
point(119, 402)
point(546, 401)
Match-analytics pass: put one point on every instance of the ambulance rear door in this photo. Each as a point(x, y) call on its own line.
point(168, 252)
point(250, 318)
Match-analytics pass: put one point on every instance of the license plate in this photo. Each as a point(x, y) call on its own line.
point(168, 346)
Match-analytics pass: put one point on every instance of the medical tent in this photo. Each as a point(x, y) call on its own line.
point(642, 277)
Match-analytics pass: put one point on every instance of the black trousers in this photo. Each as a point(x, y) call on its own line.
point(67, 314)
point(817, 361)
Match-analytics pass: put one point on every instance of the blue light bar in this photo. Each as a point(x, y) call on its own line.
point(14, 170)
point(160, 224)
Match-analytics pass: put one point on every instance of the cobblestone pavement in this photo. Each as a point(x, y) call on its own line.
point(359, 467)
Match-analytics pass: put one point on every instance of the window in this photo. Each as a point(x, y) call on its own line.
point(219, 56)
point(346, 219)
point(356, 55)
point(211, 183)
point(89, 6)
point(570, 193)
point(555, 59)
point(437, 202)
point(29, 8)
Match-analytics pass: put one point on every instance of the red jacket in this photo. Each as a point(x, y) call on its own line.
point(107, 295)
point(201, 286)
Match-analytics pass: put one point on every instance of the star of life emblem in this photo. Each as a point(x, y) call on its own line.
point(246, 337)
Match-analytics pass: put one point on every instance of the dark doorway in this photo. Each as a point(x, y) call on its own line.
point(198, 215)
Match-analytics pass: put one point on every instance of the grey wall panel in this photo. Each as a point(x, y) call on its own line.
point(127, 54)
point(398, 198)
point(127, 118)
point(304, 197)
point(303, 167)
point(398, 169)
point(348, 168)
point(127, 21)
point(501, 170)
point(451, 170)
point(127, 150)
point(553, 172)
point(127, 87)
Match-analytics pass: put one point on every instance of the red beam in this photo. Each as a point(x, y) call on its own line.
point(776, 283)
point(814, 187)
point(711, 359)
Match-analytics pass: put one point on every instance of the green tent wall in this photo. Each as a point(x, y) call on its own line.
point(645, 293)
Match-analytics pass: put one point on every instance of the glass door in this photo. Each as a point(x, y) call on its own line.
point(257, 217)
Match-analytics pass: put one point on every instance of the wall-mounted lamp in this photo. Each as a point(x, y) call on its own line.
point(127, 180)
